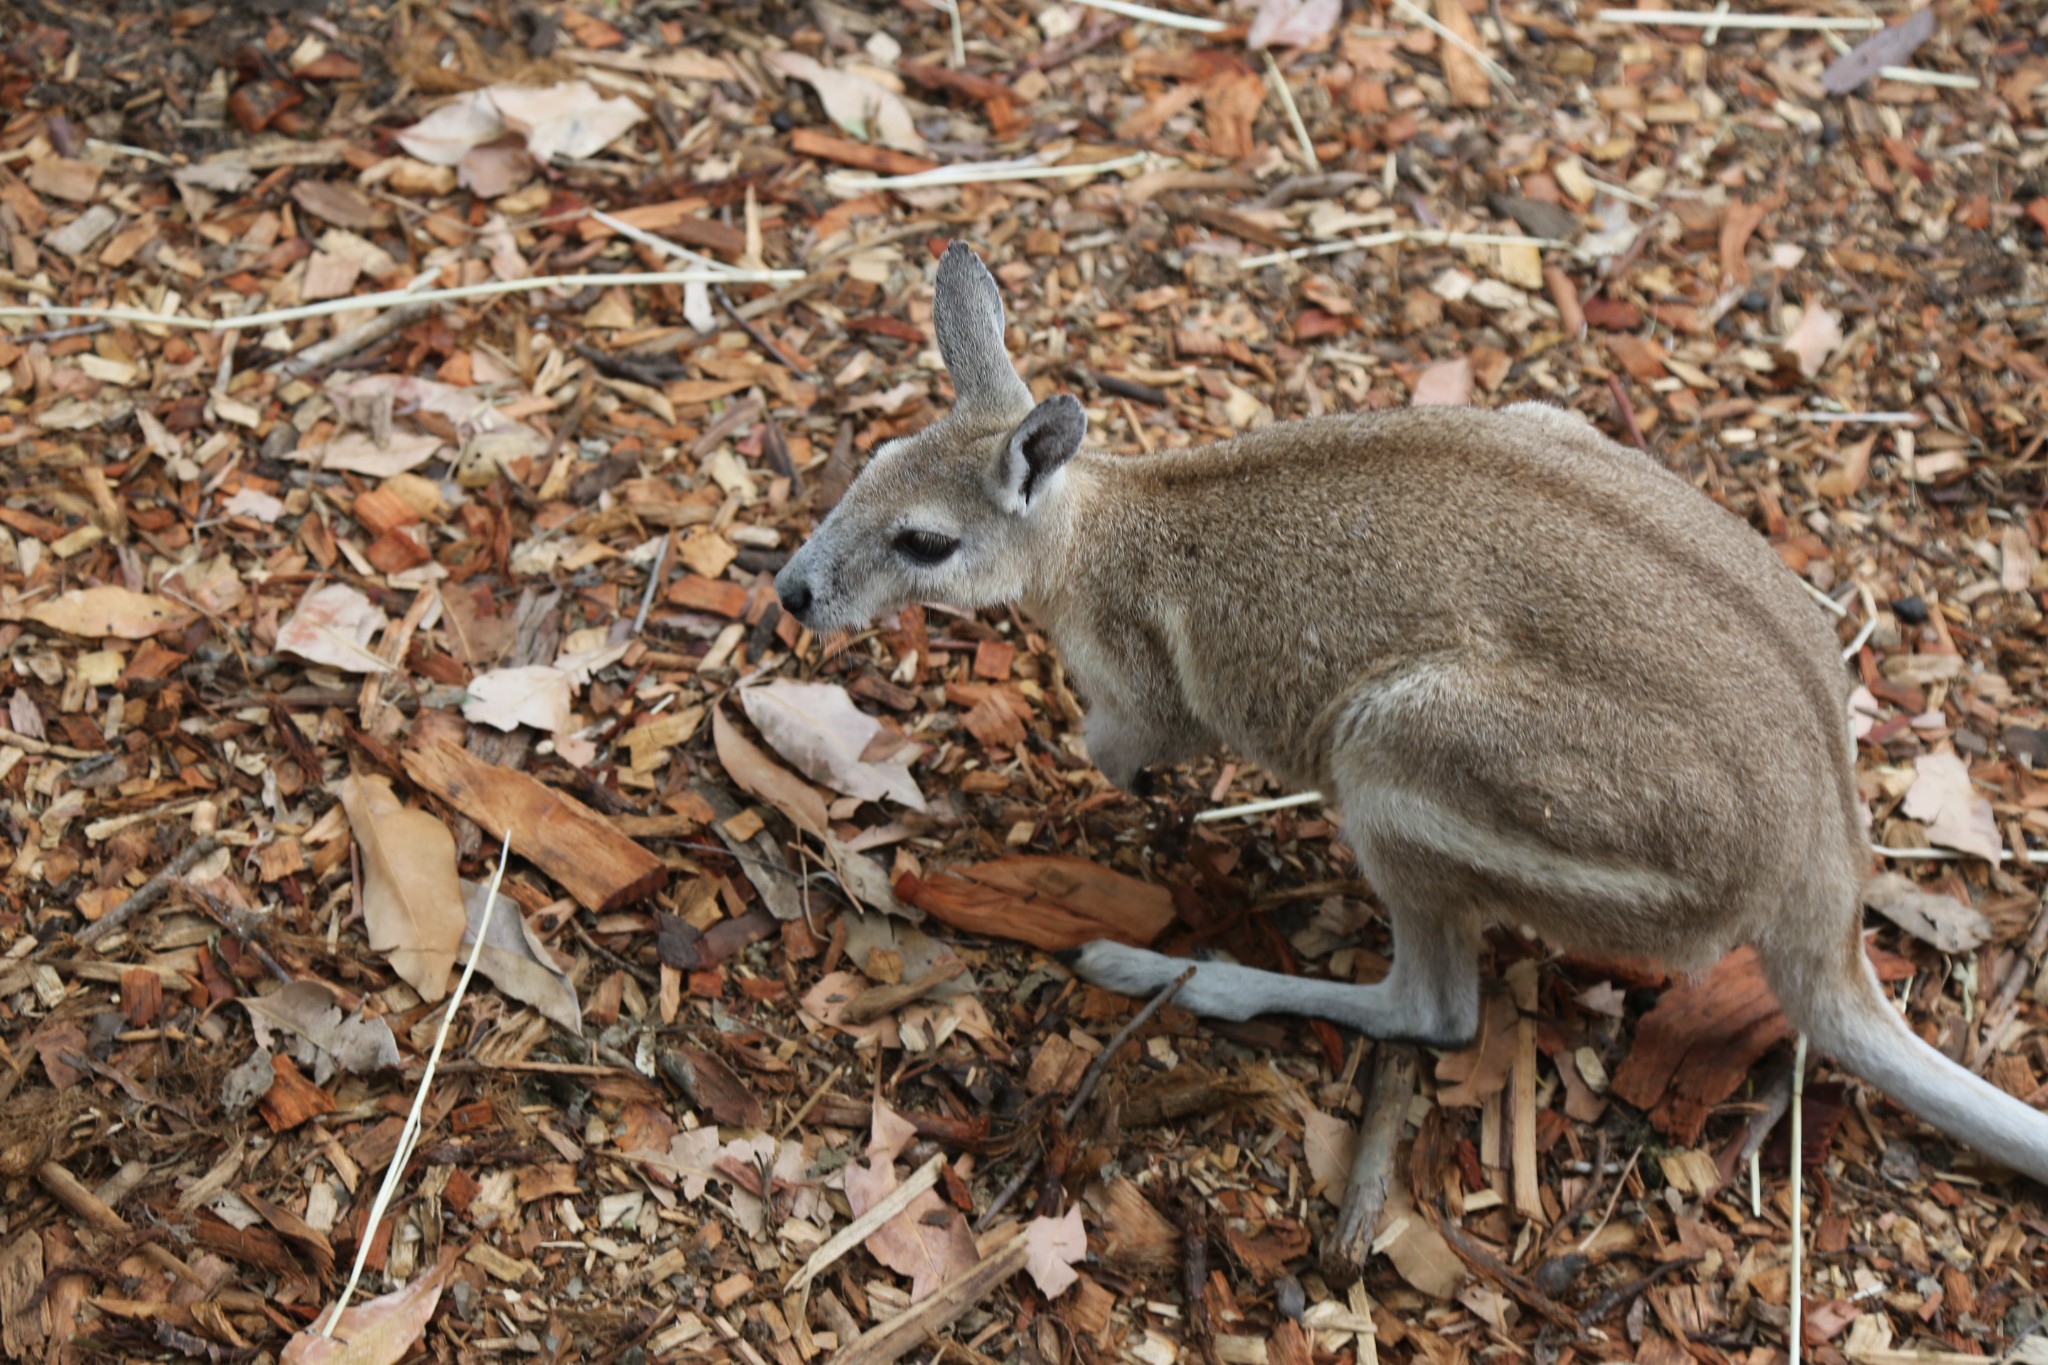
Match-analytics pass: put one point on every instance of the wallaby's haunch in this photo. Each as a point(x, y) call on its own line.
point(1546, 681)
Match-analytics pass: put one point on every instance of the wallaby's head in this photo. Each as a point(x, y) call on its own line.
point(953, 513)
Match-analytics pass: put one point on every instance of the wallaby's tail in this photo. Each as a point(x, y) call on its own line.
point(1844, 1013)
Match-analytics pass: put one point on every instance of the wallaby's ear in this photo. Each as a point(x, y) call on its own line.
point(967, 313)
point(1047, 438)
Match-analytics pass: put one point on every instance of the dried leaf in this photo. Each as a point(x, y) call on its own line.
point(1813, 340)
point(1052, 1246)
point(745, 764)
point(517, 962)
point(1328, 1143)
point(307, 1008)
point(1943, 921)
point(110, 611)
point(412, 898)
point(507, 698)
point(334, 626)
point(1955, 814)
point(1892, 46)
point(1448, 383)
point(1292, 23)
point(380, 1331)
point(929, 1240)
point(865, 108)
point(817, 727)
point(567, 119)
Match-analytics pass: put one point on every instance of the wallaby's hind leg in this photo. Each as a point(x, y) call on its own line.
point(1431, 996)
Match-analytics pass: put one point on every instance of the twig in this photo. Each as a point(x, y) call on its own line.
point(357, 339)
point(69, 1191)
point(1787, 22)
point(1406, 237)
point(1161, 17)
point(653, 583)
point(1620, 1184)
point(865, 1226)
point(1495, 72)
point(408, 1135)
point(1798, 1290)
point(1345, 1249)
point(761, 338)
point(151, 891)
point(1089, 1080)
point(2000, 1008)
point(1623, 1293)
point(1258, 807)
point(1490, 1267)
point(977, 173)
point(1279, 84)
point(395, 298)
point(1626, 411)
point(804, 1111)
point(890, 1341)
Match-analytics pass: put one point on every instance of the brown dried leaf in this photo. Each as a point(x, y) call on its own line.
point(745, 764)
point(1048, 902)
point(100, 612)
point(380, 1331)
point(412, 898)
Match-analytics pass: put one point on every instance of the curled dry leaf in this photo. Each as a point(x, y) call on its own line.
point(380, 1331)
point(745, 764)
point(929, 1240)
point(1052, 1246)
point(110, 611)
point(1943, 921)
point(1292, 23)
point(507, 698)
point(517, 962)
point(1328, 1143)
point(1048, 902)
point(308, 1009)
point(412, 897)
point(863, 107)
point(334, 626)
point(566, 119)
point(1955, 814)
point(817, 727)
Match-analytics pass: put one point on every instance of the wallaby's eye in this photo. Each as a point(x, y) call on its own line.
point(925, 547)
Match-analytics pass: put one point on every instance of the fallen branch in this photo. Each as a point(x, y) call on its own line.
point(1781, 22)
point(891, 1341)
point(151, 891)
point(396, 298)
point(1395, 1068)
point(977, 173)
point(865, 1226)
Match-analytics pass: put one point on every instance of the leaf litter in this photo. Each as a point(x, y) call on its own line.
point(238, 582)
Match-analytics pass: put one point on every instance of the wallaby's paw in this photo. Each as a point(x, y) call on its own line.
point(1126, 970)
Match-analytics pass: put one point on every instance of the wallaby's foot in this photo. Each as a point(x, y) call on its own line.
point(1143, 973)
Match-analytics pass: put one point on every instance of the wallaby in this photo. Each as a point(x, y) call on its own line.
point(1545, 681)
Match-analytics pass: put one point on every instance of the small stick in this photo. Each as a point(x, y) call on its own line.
point(1623, 1293)
point(1626, 411)
point(1785, 22)
point(1258, 807)
point(357, 339)
point(1495, 72)
point(151, 891)
point(395, 298)
point(653, 583)
point(1161, 17)
point(2016, 976)
point(69, 1191)
point(1089, 1080)
point(1798, 1166)
point(1395, 1067)
point(978, 173)
point(761, 338)
point(865, 1226)
point(1402, 236)
point(41, 747)
point(876, 1001)
point(1279, 84)
point(1620, 1184)
point(890, 1341)
point(824, 1087)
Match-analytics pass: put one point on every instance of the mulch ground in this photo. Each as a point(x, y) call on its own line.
point(300, 617)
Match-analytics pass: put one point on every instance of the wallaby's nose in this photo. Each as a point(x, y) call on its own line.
point(796, 597)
